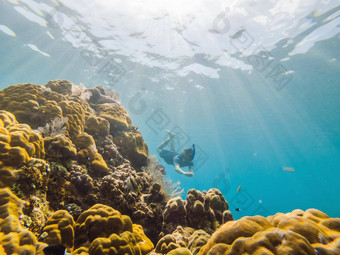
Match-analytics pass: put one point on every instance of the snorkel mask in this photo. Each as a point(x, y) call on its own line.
point(186, 156)
point(193, 150)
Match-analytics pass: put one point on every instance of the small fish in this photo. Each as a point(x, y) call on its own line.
point(239, 188)
point(237, 209)
point(288, 169)
point(55, 249)
point(260, 201)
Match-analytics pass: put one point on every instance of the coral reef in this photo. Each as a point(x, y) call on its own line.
point(167, 244)
point(59, 229)
point(75, 172)
point(87, 153)
point(97, 126)
point(18, 144)
point(98, 230)
point(197, 240)
point(201, 210)
point(180, 251)
point(133, 147)
point(14, 238)
point(155, 170)
point(298, 232)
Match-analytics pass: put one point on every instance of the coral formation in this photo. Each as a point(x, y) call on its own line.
point(201, 210)
point(14, 238)
point(133, 147)
point(97, 126)
point(153, 169)
point(298, 232)
point(180, 251)
point(166, 244)
point(197, 240)
point(100, 221)
point(174, 215)
point(87, 152)
point(18, 144)
point(59, 229)
point(59, 148)
point(116, 115)
point(75, 171)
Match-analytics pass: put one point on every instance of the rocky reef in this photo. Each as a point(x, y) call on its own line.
point(75, 171)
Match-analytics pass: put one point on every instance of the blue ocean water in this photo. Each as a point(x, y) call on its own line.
point(255, 85)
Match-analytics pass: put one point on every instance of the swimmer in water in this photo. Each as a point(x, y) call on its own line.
point(171, 157)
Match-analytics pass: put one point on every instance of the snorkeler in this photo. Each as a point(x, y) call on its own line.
point(178, 160)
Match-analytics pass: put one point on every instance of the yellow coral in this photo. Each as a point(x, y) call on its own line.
point(116, 115)
point(10, 204)
point(314, 225)
point(180, 251)
point(197, 240)
point(166, 244)
point(297, 232)
point(127, 242)
point(87, 151)
point(19, 243)
point(97, 126)
point(60, 86)
point(18, 144)
point(60, 147)
point(59, 229)
point(14, 238)
point(31, 104)
point(75, 113)
point(100, 221)
point(132, 146)
point(144, 244)
point(36, 105)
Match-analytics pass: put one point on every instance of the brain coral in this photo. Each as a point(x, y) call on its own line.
point(36, 105)
point(41, 106)
point(96, 126)
point(197, 240)
point(14, 238)
point(299, 232)
point(87, 151)
point(133, 147)
point(18, 144)
point(126, 243)
point(100, 221)
point(27, 102)
point(166, 244)
point(201, 210)
point(116, 115)
point(180, 251)
point(59, 229)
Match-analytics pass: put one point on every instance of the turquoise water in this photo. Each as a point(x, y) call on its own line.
point(254, 84)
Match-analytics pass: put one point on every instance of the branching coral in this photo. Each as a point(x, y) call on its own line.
point(81, 91)
point(152, 169)
point(55, 127)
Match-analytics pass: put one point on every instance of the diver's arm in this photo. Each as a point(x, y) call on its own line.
point(190, 172)
point(178, 169)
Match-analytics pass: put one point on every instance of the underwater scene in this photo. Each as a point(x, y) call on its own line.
point(170, 127)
